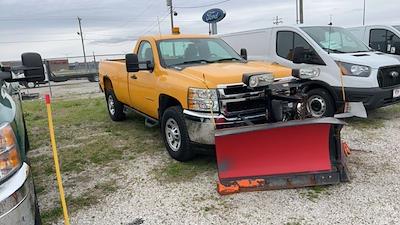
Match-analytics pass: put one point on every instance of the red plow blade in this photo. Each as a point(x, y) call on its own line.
point(290, 154)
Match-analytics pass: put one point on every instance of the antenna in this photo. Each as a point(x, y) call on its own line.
point(159, 28)
point(330, 31)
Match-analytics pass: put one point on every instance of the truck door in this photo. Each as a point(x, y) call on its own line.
point(142, 84)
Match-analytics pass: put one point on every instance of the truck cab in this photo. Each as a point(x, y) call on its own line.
point(340, 57)
point(18, 203)
point(382, 38)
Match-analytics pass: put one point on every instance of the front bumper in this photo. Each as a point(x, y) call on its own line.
point(17, 199)
point(371, 97)
point(201, 128)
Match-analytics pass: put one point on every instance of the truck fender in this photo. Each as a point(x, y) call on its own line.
point(164, 102)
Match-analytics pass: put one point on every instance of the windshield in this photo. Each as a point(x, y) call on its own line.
point(174, 52)
point(335, 39)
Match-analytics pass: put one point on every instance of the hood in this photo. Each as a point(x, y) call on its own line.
point(228, 73)
point(372, 59)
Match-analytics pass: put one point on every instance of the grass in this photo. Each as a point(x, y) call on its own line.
point(87, 140)
point(314, 193)
point(376, 118)
point(173, 171)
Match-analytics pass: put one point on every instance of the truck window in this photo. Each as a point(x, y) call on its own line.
point(180, 51)
point(385, 41)
point(287, 41)
point(145, 53)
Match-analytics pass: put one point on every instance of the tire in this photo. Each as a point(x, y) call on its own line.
point(175, 134)
point(320, 103)
point(38, 219)
point(93, 79)
point(115, 108)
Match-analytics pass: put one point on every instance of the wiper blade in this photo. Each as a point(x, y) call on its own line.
point(333, 50)
point(193, 62)
point(226, 59)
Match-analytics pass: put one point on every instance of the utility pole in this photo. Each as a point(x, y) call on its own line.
point(171, 12)
point(301, 11)
point(277, 20)
point(297, 11)
point(364, 14)
point(83, 44)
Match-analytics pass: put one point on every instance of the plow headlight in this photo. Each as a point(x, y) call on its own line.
point(10, 160)
point(258, 80)
point(203, 99)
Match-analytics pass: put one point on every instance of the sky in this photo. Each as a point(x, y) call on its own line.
point(110, 27)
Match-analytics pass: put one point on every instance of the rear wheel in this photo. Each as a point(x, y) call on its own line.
point(320, 103)
point(115, 107)
point(175, 134)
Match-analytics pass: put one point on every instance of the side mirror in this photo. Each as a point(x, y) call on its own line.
point(32, 65)
point(243, 53)
point(132, 62)
point(299, 55)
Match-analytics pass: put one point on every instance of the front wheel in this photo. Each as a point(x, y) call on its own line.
point(320, 103)
point(175, 134)
point(115, 107)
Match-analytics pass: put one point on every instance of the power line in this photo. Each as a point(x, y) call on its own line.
point(201, 6)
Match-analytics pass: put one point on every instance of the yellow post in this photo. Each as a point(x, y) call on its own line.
point(56, 163)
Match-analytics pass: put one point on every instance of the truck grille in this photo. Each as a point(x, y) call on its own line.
point(389, 76)
point(239, 101)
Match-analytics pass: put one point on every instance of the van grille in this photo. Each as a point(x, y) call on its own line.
point(389, 76)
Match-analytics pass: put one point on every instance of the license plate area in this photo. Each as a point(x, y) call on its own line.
point(396, 93)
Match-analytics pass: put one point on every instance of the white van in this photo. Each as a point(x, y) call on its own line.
point(383, 38)
point(368, 76)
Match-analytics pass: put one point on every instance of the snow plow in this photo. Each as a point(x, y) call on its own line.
point(290, 150)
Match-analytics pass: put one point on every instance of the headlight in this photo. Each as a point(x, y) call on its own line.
point(354, 69)
point(305, 73)
point(254, 80)
point(203, 99)
point(10, 160)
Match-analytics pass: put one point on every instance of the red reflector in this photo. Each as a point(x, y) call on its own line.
point(47, 97)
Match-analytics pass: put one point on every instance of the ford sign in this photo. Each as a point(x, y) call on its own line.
point(213, 15)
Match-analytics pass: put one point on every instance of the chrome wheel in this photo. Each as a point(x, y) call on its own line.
point(173, 134)
point(111, 105)
point(316, 105)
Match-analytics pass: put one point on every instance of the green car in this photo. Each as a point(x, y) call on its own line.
point(18, 203)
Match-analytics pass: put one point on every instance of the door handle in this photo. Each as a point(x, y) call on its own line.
point(134, 77)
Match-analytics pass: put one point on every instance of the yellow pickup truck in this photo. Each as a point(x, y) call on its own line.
point(187, 84)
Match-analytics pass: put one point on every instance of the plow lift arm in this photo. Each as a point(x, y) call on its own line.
point(289, 151)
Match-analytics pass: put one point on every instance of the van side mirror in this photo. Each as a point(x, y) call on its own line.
point(132, 62)
point(32, 65)
point(299, 55)
point(243, 53)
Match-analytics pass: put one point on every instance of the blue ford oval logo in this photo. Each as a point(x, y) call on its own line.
point(213, 15)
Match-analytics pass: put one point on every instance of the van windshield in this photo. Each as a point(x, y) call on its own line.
point(335, 39)
point(186, 51)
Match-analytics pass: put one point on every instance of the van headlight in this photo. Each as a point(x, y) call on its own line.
point(254, 80)
point(305, 73)
point(200, 99)
point(10, 160)
point(350, 69)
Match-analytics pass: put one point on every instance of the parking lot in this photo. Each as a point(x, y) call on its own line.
point(120, 173)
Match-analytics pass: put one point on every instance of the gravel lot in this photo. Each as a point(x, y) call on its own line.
point(143, 197)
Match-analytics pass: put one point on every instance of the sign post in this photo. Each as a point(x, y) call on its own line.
point(212, 16)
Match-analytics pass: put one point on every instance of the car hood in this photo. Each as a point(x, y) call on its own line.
point(372, 59)
point(229, 73)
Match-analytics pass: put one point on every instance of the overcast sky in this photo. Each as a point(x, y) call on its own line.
point(50, 26)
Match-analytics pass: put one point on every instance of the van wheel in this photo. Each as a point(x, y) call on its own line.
point(115, 107)
point(175, 134)
point(320, 103)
